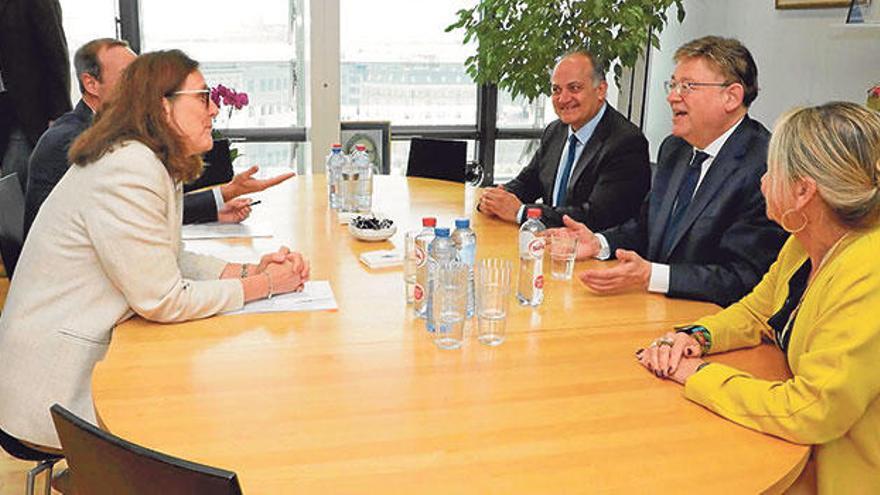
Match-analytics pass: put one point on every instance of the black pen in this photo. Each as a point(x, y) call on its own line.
point(255, 202)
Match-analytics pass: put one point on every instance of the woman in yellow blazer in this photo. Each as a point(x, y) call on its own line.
point(105, 246)
point(819, 304)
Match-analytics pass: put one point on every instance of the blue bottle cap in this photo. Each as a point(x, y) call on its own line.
point(462, 223)
point(441, 232)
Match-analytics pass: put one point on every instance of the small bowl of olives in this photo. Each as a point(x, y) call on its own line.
point(371, 228)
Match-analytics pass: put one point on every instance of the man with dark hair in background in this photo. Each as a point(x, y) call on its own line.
point(99, 65)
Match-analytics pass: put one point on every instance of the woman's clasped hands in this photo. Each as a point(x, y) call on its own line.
point(279, 272)
point(675, 355)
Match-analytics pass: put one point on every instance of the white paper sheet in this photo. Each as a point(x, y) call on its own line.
point(317, 295)
point(217, 230)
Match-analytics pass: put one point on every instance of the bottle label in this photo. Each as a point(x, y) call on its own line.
point(421, 256)
point(418, 293)
point(539, 282)
point(536, 247)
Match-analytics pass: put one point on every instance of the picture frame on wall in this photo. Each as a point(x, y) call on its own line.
point(811, 4)
point(375, 136)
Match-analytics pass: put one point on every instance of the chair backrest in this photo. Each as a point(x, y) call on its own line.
point(437, 159)
point(11, 221)
point(102, 463)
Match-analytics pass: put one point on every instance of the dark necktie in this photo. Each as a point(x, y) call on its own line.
point(566, 170)
point(683, 198)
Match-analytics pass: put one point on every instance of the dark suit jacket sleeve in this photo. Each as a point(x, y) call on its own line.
point(623, 180)
point(49, 33)
point(199, 207)
point(48, 163)
point(631, 235)
point(527, 185)
point(747, 249)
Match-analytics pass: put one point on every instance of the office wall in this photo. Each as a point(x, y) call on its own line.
point(803, 56)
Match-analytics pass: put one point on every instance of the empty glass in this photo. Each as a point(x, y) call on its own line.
point(562, 254)
point(493, 297)
point(449, 304)
point(410, 261)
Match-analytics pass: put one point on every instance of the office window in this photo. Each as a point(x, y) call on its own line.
point(397, 63)
point(85, 20)
point(258, 49)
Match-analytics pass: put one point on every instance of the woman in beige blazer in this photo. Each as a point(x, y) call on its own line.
point(106, 246)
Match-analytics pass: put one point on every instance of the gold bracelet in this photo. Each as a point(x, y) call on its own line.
point(269, 281)
point(244, 270)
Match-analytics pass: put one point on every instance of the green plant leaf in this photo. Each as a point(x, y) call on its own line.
point(519, 41)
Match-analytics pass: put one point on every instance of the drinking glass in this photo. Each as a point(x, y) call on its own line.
point(449, 304)
point(562, 253)
point(493, 297)
point(410, 261)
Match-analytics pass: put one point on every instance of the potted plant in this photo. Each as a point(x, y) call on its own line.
point(519, 41)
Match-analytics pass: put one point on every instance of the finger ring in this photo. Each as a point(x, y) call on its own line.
point(665, 341)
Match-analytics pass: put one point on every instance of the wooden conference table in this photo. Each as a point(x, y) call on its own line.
point(359, 400)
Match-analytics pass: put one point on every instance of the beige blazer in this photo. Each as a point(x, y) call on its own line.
point(104, 247)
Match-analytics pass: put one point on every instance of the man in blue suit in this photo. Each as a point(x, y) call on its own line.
point(99, 65)
point(703, 232)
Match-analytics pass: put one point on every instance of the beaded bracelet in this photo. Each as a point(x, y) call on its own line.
point(700, 334)
point(244, 270)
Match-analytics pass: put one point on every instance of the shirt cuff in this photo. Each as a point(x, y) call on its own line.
point(218, 198)
point(520, 214)
point(659, 278)
point(604, 248)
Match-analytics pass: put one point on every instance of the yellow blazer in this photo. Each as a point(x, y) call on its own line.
point(104, 247)
point(833, 399)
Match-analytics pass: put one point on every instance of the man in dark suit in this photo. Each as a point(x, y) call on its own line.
point(592, 163)
point(34, 78)
point(99, 65)
point(703, 233)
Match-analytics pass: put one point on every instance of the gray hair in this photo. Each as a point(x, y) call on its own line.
point(598, 74)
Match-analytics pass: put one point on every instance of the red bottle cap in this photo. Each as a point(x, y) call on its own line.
point(429, 222)
point(533, 213)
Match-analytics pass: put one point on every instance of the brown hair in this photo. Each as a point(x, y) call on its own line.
point(837, 145)
point(730, 57)
point(137, 113)
point(85, 60)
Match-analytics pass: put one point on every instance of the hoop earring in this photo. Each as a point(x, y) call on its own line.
point(795, 230)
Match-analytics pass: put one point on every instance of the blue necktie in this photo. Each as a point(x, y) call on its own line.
point(566, 170)
point(683, 198)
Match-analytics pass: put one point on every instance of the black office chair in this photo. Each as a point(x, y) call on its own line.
point(11, 221)
point(437, 159)
point(45, 461)
point(101, 463)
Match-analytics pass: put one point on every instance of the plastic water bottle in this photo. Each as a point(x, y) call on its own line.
point(348, 182)
point(363, 166)
point(423, 241)
point(441, 251)
point(335, 162)
point(530, 286)
point(466, 251)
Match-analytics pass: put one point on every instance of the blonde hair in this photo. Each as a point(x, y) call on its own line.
point(837, 145)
